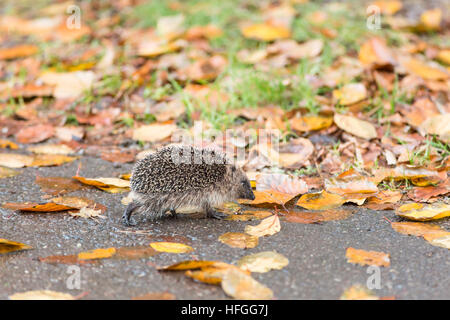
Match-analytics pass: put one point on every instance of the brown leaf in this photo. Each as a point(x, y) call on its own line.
point(57, 185)
point(35, 133)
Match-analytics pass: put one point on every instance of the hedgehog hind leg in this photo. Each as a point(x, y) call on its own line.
point(126, 217)
point(211, 213)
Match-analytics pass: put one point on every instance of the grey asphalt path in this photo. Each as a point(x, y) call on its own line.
point(317, 265)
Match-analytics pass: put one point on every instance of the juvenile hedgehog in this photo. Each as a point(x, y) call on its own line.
point(179, 176)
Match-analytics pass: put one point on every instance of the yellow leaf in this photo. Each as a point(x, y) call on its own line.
point(171, 247)
point(422, 212)
point(10, 246)
point(239, 240)
point(154, 132)
point(310, 123)
point(350, 93)
point(389, 7)
point(46, 160)
point(358, 292)
point(267, 227)
point(425, 71)
point(356, 127)
point(263, 262)
point(320, 201)
point(265, 32)
point(242, 286)
point(431, 19)
point(41, 295)
point(97, 254)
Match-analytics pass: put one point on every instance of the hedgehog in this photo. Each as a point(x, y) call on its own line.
point(178, 176)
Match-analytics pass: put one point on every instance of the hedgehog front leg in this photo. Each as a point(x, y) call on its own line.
point(211, 213)
point(126, 218)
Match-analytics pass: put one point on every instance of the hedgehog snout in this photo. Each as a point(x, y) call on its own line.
point(248, 194)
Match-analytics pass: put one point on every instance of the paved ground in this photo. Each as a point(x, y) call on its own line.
point(317, 268)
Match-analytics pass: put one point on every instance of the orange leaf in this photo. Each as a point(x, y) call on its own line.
point(363, 257)
point(320, 201)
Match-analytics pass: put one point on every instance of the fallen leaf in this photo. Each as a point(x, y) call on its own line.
point(242, 286)
point(7, 172)
point(154, 132)
point(13, 160)
point(268, 197)
point(307, 217)
point(239, 240)
point(155, 296)
point(6, 144)
point(358, 292)
point(10, 246)
point(69, 84)
point(425, 71)
point(47, 160)
point(97, 254)
point(356, 127)
point(263, 262)
point(111, 185)
point(267, 227)
point(41, 295)
point(320, 201)
point(265, 32)
point(422, 212)
point(34, 134)
point(88, 213)
point(350, 94)
point(389, 7)
point(20, 51)
point(249, 215)
point(57, 185)
point(52, 149)
point(282, 183)
point(310, 123)
point(370, 258)
point(431, 19)
point(37, 207)
point(171, 247)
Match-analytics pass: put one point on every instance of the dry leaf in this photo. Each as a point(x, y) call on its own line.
point(154, 132)
point(35, 133)
point(268, 197)
point(370, 258)
point(320, 201)
point(422, 212)
point(239, 240)
point(310, 123)
point(69, 84)
point(281, 183)
point(155, 296)
point(267, 227)
point(242, 286)
point(265, 32)
point(10, 246)
point(52, 149)
point(356, 127)
point(263, 262)
point(425, 71)
point(171, 247)
point(307, 217)
point(97, 254)
point(41, 295)
point(47, 160)
point(111, 185)
point(358, 292)
point(19, 51)
point(350, 93)
point(7, 172)
point(12, 160)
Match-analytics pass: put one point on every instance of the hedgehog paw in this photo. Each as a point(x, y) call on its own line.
point(173, 214)
point(215, 214)
point(128, 221)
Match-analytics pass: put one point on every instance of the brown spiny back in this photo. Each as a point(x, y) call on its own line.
point(159, 173)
